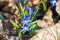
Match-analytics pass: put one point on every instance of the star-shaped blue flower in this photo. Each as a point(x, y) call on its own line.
point(24, 29)
point(25, 21)
point(52, 2)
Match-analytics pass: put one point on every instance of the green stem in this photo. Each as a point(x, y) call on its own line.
point(44, 5)
point(22, 9)
point(37, 8)
point(35, 13)
point(32, 23)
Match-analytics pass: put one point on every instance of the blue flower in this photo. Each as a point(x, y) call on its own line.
point(25, 25)
point(30, 10)
point(24, 29)
point(52, 2)
point(25, 18)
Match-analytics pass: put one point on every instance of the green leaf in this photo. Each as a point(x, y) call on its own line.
point(19, 33)
point(15, 24)
point(16, 7)
point(19, 15)
point(35, 12)
point(33, 28)
point(44, 6)
point(44, 0)
point(32, 23)
point(17, 28)
point(26, 12)
point(23, 36)
point(26, 4)
point(22, 9)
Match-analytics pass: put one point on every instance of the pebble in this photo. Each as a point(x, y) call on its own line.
point(58, 7)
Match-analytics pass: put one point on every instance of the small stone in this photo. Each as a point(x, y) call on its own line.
point(58, 7)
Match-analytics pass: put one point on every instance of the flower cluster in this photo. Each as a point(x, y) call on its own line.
point(52, 2)
point(26, 20)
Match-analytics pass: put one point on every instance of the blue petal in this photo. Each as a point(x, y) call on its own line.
point(24, 22)
point(25, 18)
point(22, 31)
point(27, 8)
point(30, 10)
point(29, 20)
